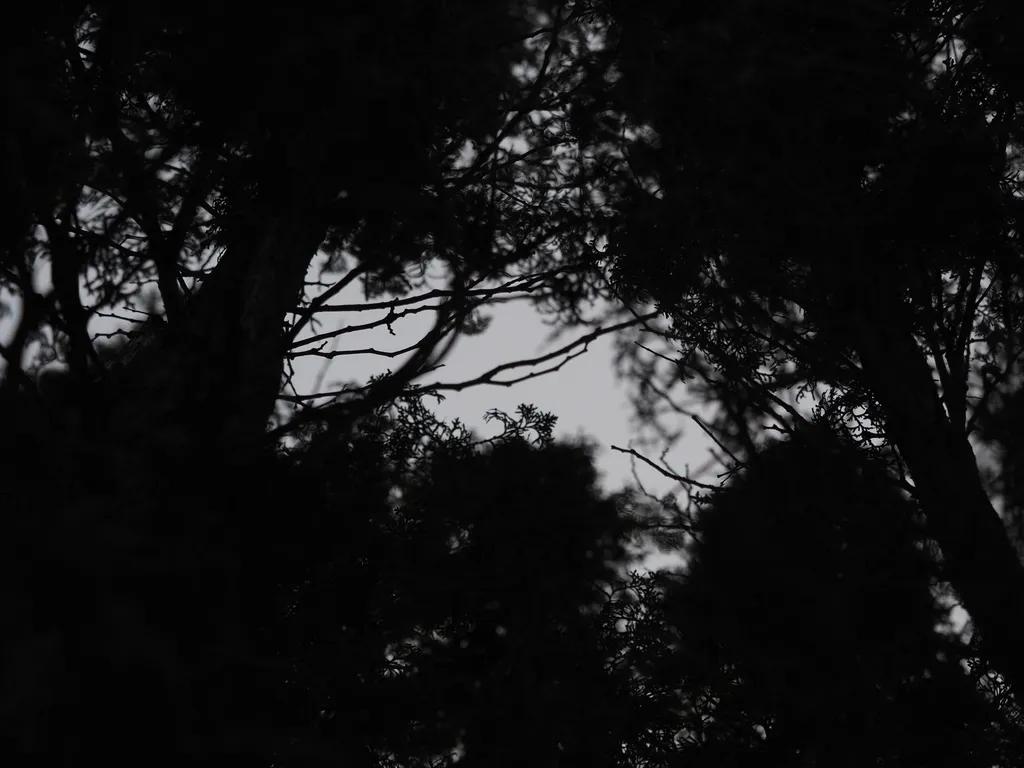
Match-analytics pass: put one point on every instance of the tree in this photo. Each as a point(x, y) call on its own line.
point(828, 201)
point(246, 571)
point(174, 534)
point(808, 594)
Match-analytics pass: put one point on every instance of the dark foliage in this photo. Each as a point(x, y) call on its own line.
point(827, 204)
point(808, 599)
point(201, 567)
point(294, 609)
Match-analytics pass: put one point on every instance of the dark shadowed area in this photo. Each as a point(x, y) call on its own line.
point(797, 223)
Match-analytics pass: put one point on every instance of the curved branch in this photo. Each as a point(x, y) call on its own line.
point(566, 349)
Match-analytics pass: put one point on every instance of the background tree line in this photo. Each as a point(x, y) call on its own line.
point(806, 217)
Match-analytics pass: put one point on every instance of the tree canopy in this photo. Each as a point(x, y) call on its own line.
point(806, 216)
point(856, 240)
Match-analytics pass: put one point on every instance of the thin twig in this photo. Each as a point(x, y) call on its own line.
point(670, 475)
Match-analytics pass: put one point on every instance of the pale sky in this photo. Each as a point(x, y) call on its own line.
point(584, 394)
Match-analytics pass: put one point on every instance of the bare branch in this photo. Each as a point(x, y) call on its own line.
point(707, 431)
point(664, 472)
point(570, 349)
point(317, 303)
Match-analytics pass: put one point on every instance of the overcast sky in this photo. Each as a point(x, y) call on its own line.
point(584, 394)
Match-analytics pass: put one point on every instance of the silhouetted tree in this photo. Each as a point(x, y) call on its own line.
point(187, 586)
point(206, 565)
point(827, 201)
point(808, 595)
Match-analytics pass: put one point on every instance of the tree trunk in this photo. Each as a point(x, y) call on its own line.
point(213, 380)
point(981, 562)
point(159, 533)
